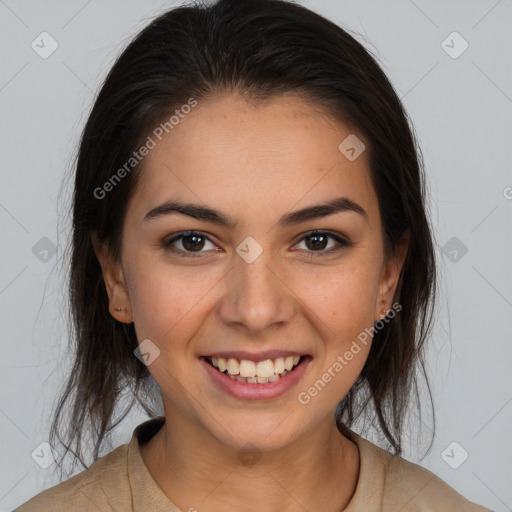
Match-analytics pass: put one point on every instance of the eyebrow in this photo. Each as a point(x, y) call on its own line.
point(338, 205)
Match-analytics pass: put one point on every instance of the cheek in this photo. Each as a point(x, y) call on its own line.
point(342, 298)
point(166, 309)
point(340, 304)
point(165, 300)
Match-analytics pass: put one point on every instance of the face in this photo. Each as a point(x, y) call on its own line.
point(252, 283)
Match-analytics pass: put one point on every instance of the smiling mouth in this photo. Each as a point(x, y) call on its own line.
point(251, 372)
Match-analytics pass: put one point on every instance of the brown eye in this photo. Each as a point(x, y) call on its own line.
point(318, 242)
point(191, 242)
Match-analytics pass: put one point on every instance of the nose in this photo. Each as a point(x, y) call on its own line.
point(257, 297)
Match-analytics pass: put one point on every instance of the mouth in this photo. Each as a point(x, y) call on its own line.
point(257, 372)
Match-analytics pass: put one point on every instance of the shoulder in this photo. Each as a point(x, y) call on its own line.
point(102, 486)
point(411, 488)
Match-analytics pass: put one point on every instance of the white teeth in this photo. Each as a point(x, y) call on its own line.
point(222, 364)
point(288, 363)
point(259, 380)
point(233, 366)
point(265, 368)
point(265, 371)
point(279, 365)
point(248, 368)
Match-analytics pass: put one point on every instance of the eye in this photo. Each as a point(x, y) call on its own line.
point(319, 243)
point(191, 242)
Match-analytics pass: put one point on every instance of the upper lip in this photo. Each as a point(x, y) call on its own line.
point(251, 356)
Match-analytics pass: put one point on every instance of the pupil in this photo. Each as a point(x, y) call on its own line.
point(323, 237)
point(195, 244)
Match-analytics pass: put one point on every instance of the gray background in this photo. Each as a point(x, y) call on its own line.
point(461, 107)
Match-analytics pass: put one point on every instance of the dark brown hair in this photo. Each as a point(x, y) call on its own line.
point(261, 49)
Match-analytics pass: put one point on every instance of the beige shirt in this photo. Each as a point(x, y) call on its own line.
point(120, 481)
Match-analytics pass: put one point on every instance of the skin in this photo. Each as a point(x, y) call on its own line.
point(253, 163)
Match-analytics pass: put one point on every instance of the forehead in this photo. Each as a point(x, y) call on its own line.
point(234, 155)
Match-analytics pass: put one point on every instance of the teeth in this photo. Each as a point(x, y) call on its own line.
point(233, 366)
point(259, 380)
point(248, 369)
point(221, 363)
point(262, 372)
point(279, 365)
point(288, 363)
point(265, 368)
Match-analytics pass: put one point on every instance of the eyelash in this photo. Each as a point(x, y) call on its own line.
point(341, 241)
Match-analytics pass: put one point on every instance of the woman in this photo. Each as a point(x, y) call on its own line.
point(249, 232)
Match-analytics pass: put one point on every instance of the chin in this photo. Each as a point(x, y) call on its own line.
point(269, 433)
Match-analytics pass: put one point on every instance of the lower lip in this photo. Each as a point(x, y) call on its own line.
point(256, 391)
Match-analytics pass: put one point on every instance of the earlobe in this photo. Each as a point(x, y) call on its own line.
point(119, 301)
point(391, 274)
point(115, 285)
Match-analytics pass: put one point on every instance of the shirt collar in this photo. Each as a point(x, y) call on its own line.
point(146, 495)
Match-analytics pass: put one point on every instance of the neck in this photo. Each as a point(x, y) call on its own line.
point(316, 471)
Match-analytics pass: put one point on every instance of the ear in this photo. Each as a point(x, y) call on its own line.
point(113, 276)
point(390, 275)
